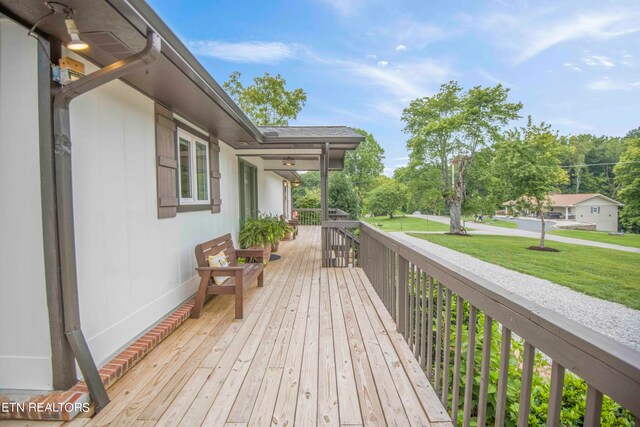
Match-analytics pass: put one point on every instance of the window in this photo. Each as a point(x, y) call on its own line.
point(193, 165)
point(595, 209)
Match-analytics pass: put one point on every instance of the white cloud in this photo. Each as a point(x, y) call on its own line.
point(401, 47)
point(249, 52)
point(372, 56)
point(598, 60)
point(401, 158)
point(533, 32)
point(417, 34)
point(346, 7)
point(404, 81)
point(608, 84)
point(571, 66)
point(383, 63)
point(491, 78)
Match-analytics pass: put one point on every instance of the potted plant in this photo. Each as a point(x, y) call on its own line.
point(256, 233)
point(278, 229)
point(288, 232)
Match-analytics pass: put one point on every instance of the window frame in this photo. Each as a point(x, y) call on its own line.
point(193, 141)
point(243, 167)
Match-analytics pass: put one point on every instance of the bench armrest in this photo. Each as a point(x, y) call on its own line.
point(250, 253)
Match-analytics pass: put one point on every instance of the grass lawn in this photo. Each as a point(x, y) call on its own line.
point(407, 223)
point(603, 273)
point(632, 240)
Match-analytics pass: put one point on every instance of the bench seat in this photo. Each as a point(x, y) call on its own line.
point(241, 276)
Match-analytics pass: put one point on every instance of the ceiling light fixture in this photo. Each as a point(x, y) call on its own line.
point(72, 29)
point(74, 33)
point(288, 161)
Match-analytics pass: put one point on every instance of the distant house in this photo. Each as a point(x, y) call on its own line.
point(590, 208)
point(593, 208)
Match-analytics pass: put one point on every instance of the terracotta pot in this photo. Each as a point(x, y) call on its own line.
point(275, 246)
point(288, 235)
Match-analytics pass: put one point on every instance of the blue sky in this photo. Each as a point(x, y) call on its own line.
point(574, 64)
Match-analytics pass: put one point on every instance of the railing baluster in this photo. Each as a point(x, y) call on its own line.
point(418, 309)
point(403, 266)
point(457, 360)
point(503, 376)
point(555, 394)
point(411, 284)
point(430, 332)
point(423, 315)
point(593, 408)
point(447, 351)
point(468, 383)
point(438, 338)
point(484, 371)
point(525, 386)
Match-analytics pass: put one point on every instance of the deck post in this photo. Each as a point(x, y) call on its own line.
point(324, 215)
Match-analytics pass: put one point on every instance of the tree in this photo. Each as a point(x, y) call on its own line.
point(423, 183)
point(527, 168)
point(342, 195)
point(311, 199)
point(309, 181)
point(628, 177)
point(387, 198)
point(449, 128)
point(266, 101)
point(364, 164)
point(590, 163)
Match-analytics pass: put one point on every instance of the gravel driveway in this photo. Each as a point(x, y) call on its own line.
point(609, 318)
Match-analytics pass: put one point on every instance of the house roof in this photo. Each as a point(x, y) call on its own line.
point(567, 200)
point(570, 200)
point(309, 131)
point(117, 28)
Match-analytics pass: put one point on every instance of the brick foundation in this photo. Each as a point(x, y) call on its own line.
point(65, 405)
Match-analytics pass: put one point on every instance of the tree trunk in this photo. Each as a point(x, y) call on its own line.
point(542, 228)
point(454, 216)
point(455, 202)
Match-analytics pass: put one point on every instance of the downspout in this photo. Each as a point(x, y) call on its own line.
point(64, 200)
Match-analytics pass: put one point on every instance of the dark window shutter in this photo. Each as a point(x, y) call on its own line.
point(167, 163)
point(214, 166)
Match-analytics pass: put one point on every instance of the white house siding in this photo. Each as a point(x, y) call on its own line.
point(25, 349)
point(605, 220)
point(134, 268)
point(270, 192)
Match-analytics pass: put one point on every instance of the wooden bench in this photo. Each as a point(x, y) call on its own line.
point(241, 275)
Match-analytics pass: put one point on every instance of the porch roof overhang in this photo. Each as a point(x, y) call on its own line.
point(304, 144)
point(177, 80)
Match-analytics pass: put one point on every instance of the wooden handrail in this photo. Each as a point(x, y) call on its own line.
point(607, 366)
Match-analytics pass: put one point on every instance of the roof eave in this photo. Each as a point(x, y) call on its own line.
point(151, 18)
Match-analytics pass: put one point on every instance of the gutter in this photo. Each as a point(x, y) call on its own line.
point(64, 205)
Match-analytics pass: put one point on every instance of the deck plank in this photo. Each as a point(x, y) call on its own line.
point(370, 407)
point(328, 413)
point(348, 401)
point(316, 346)
point(246, 398)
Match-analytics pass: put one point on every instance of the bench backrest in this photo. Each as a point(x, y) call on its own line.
point(212, 247)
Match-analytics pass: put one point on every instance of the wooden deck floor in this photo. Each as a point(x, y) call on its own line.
point(316, 346)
